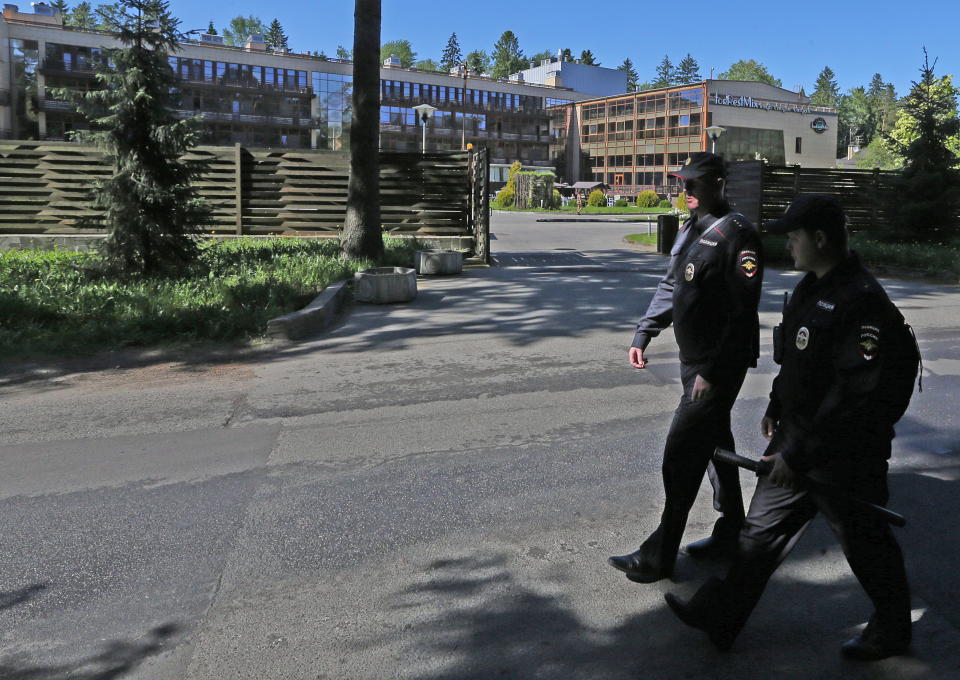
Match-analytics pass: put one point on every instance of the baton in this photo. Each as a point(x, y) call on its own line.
point(763, 468)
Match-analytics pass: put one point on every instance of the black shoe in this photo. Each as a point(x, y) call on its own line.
point(721, 637)
point(636, 569)
point(871, 647)
point(713, 548)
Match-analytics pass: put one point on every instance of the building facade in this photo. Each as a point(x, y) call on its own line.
point(632, 142)
point(263, 98)
point(557, 72)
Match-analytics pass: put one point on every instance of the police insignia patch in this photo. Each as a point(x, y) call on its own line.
point(748, 263)
point(689, 272)
point(803, 338)
point(869, 342)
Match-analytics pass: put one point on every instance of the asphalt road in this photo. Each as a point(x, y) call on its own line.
point(428, 491)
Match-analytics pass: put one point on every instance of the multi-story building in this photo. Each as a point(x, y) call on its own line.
point(633, 141)
point(557, 71)
point(264, 98)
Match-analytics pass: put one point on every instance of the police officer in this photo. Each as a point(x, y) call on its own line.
point(710, 294)
point(847, 366)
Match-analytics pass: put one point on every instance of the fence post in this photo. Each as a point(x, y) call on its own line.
point(238, 178)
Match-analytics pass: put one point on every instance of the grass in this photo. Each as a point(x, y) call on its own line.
point(935, 259)
point(647, 239)
point(58, 302)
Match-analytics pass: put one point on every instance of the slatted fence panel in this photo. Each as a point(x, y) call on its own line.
point(44, 189)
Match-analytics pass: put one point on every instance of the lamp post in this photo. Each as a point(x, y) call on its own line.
point(424, 111)
point(714, 132)
point(463, 106)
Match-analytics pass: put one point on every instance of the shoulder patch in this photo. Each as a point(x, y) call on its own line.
point(869, 341)
point(747, 262)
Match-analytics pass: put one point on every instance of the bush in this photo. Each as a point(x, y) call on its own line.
point(597, 199)
point(505, 197)
point(682, 201)
point(557, 200)
point(648, 199)
point(665, 203)
point(620, 203)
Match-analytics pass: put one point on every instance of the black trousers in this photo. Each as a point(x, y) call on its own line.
point(698, 427)
point(777, 519)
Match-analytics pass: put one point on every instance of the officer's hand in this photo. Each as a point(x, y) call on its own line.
point(767, 427)
point(701, 388)
point(781, 475)
point(637, 360)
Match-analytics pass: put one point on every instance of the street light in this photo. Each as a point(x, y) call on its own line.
point(424, 111)
point(714, 132)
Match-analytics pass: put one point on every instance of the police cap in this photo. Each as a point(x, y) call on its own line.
point(702, 163)
point(811, 211)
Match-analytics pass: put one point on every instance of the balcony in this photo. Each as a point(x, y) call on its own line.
point(245, 85)
point(222, 117)
point(57, 105)
point(57, 66)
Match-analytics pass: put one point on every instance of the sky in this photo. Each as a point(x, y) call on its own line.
point(794, 40)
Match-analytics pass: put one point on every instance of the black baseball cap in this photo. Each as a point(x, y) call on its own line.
point(811, 211)
point(702, 163)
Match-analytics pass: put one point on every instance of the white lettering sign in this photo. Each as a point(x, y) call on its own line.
point(751, 103)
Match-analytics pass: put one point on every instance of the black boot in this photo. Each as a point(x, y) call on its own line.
point(638, 570)
point(721, 544)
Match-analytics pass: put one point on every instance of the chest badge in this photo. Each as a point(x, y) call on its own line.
point(748, 263)
point(803, 338)
point(689, 272)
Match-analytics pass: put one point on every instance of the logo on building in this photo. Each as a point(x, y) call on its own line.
point(819, 125)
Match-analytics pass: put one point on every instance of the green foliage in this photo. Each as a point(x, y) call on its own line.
point(688, 71)
point(478, 62)
point(241, 28)
point(878, 154)
point(627, 67)
point(666, 73)
point(427, 65)
point(401, 49)
point(60, 302)
point(507, 56)
point(648, 199)
point(452, 55)
point(586, 57)
point(512, 171)
point(665, 203)
point(646, 239)
point(557, 201)
point(826, 92)
point(540, 56)
point(597, 199)
point(620, 203)
point(344, 53)
point(81, 17)
point(506, 196)
point(275, 37)
point(750, 70)
point(682, 201)
point(854, 119)
point(149, 207)
point(211, 29)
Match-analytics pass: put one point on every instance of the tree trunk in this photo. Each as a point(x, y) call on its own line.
point(361, 230)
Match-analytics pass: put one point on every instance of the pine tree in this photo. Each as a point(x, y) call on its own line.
point(82, 17)
point(826, 92)
point(507, 56)
point(211, 29)
point(62, 6)
point(688, 71)
point(566, 54)
point(275, 37)
point(882, 100)
point(926, 196)
point(149, 207)
point(666, 74)
point(452, 56)
point(586, 57)
point(627, 67)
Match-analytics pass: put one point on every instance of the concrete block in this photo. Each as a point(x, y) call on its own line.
point(434, 262)
point(382, 285)
point(313, 318)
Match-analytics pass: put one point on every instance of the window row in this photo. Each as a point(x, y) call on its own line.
point(226, 73)
point(505, 101)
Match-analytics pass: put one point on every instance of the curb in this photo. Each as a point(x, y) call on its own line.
point(313, 318)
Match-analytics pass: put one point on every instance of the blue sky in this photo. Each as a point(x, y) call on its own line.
point(795, 40)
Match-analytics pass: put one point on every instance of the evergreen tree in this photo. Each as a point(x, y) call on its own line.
point(362, 231)
point(586, 57)
point(241, 28)
point(882, 100)
point(826, 92)
point(61, 5)
point(211, 29)
point(478, 62)
point(149, 207)
point(401, 49)
point(627, 67)
point(344, 53)
point(452, 55)
point(275, 37)
point(688, 71)
point(853, 120)
point(926, 196)
point(666, 73)
point(566, 54)
point(507, 56)
point(750, 70)
point(82, 17)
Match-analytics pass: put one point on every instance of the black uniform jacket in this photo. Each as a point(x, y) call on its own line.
point(835, 405)
point(710, 293)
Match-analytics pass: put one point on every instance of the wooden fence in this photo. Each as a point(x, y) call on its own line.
point(44, 189)
point(762, 192)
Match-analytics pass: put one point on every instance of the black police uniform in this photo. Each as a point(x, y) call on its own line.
point(710, 293)
point(838, 394)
